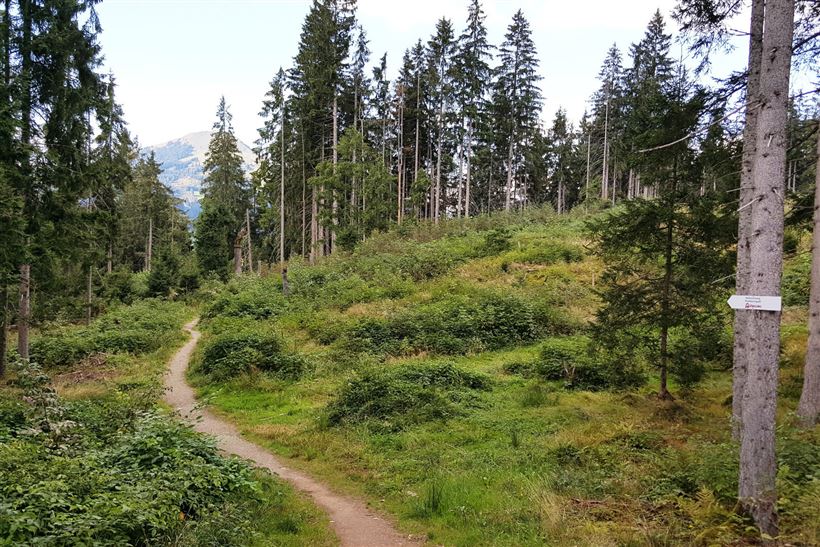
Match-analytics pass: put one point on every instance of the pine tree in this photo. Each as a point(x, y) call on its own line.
point(608, 109)
point(56, 89)
point(517, 96)
point(225, 182)
point(758, 466)
point(440, 50)
point(473, 76)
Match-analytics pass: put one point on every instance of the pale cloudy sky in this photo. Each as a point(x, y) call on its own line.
point(174, 58)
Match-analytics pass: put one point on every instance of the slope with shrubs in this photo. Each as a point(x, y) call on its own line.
point(447, 374)
point(87, 457)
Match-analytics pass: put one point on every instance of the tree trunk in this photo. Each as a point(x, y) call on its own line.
point(250, 242)
point(663, 390)
point(89, 298)
point(437, 199)
point(335, 222)
point(281, 198)
point(605, 173)
point(508, 198)
point(808, 410)
point(758, 467)
point(468, 183)
point(237, 254)
point(109, 262)
point(747, 194)
point(4, 329)
point(24, 311)
point(586, 188)
point(149, 245)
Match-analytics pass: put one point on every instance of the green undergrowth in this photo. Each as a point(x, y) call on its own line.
point(451, 380)
point(137, 329)
point(88, 458)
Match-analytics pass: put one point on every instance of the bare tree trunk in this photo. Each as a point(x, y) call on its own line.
point(437, 204)
point(304, 199)
point(109, 262)
point(758, 467)
point(4, 329)
point(808, 410)
point(237, 253)
point(250, 243)
point(747, 194)
point(282, 208)
point(314, 225)
point(24, 311)
point(508, 199)
point(468, 183)
point(400, 161)
point(89, 298)
point(605, 173)
point(460, 191)
point(149, 249)
point(586, 191)
point(335, 222)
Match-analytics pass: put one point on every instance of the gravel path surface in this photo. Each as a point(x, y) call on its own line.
point(355, 524)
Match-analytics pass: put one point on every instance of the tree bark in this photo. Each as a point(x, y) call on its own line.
point(4, 329)
point(335, 211)
point(508, 199)
point(808, 409)
point(605, 173)
point(24, 311)
point(237, 254)
point(149, 245)
point(747, 194)
point(758, 466)
point(468, 182)
point(437, 199)
point(89, 298)
point(250, 242)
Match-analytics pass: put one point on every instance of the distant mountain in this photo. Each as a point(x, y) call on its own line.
point(182, 159)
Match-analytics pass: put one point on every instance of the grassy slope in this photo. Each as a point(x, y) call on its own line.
point(283, 517)
point(533, 463)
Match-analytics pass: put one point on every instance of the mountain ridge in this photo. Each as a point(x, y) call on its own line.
point(182, 160)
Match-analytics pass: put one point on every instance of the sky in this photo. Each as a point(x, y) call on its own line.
point(173, 59)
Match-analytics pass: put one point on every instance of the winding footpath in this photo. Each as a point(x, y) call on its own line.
point(355, 524)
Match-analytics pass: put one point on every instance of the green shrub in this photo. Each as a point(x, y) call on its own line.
point(254, 298)
point(140, 328)
point(497, 241)
point(796, 279)
point(232, 354)
point(407, 395)
point(454, 324)
point(546, 253)
point(568, 360)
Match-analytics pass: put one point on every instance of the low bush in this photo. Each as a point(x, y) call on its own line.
point(574, 361)
point(140, 328)
point(454, 324)
point(796, 278)
point(407, 395)
point(234, 353)
point(257, 298)
point(546, 253)
point(105, 472)
point(568, 360)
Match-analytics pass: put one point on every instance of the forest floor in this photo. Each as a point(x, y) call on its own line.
point(523, 460)
point(354, 523)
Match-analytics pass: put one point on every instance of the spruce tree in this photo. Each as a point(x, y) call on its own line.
point(517, 97)
point(473, 76)
point(225, 182)
point(440, 51)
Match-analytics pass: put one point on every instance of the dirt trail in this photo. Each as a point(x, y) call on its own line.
point(355, 524)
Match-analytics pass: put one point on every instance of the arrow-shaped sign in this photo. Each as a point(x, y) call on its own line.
point(767, 303)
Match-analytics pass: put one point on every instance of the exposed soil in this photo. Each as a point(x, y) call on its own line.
point(355, 524)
